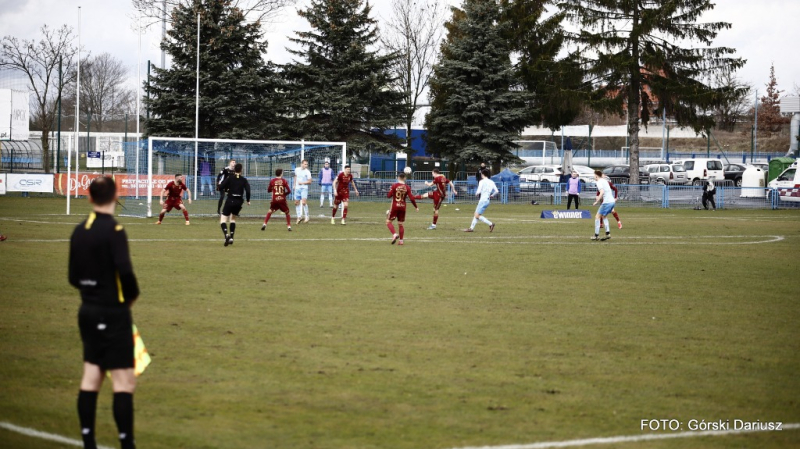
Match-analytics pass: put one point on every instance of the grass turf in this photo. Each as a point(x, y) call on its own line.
point(330, 337)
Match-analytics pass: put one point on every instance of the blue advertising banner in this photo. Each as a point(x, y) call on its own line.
point(560, 214)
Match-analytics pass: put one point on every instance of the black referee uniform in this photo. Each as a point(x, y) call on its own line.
point(223, 175)
point(238, 189)
point(100, 266)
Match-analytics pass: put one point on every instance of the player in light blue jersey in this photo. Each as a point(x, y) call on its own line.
point(603, 191)
point(302, 179)
point(486, 190)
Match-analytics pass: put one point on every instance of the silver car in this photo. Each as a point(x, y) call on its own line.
point(667, 174)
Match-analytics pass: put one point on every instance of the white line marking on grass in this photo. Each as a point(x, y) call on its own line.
point(626, 439)
point(45, 435)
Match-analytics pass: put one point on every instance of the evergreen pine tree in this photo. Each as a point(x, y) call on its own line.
point(770, 119)
point(340, 89)
point(236, 86)
point(633, 56)
point(475, 111)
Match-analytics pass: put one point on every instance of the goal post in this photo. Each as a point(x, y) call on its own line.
point(200, 160)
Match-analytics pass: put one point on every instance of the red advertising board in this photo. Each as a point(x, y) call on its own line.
point(126, 184)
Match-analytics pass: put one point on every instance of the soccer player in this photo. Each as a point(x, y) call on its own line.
point(326, 184)
point(279, 188)
point(439, 193)
point(222, 176)
point(398, 193)
point(486, 190)
point(302, 179)
point(342, 188)
point(238, 190)
point(616, 194)
point(2, 238)
point(174, 190)
point(100, 267)
point(605, 193)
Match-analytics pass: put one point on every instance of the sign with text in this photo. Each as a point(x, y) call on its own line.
point(14, 114)
point(29, 183)
point(126, 184)
point(561, 214)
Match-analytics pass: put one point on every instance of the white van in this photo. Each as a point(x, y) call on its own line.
point(787, 184)
point(700, 170)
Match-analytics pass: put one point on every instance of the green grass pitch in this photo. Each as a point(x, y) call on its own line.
point(330, 337)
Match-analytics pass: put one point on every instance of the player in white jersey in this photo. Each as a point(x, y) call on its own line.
point(486, 190)
point(603, 191)
point(302, 179)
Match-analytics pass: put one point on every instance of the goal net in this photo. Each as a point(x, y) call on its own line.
point(201, 160)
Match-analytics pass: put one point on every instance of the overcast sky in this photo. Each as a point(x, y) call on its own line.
point(763, 32)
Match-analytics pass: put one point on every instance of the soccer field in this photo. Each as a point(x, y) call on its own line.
point(330, 337)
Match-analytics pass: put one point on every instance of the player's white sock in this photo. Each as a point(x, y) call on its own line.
point(484, 220)
point(474, 222)
point(330, 199)
point(305, 209)
point(596, 226)
point(321, 200)
point(299, 210)
point(605, 222)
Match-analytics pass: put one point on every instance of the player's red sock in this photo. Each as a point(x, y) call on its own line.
point(186, 214)
point(161, 216)
point(266, 219)
point(344, 213)
point(435, 219)
point(288, 220)
point(616, 216)
point(390, 225)
point(401, 231)
point(333, 215)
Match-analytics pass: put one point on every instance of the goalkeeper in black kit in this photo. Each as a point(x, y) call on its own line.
point(100, 266)
point(238, 191)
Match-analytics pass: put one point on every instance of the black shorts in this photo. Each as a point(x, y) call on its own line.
point(233, 205)
point(107, 335)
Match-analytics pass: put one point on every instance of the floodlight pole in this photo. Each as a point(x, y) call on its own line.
point(77, 111)
point(138, 99)
point(58, 144)
point(755, 128)
point(197, 106)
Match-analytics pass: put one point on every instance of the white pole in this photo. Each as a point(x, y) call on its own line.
point(302, 150)
point(69, 170)
point(664, 134)
point(78, 108)
point(197, 106)
point(149, 176)
point(138, 98)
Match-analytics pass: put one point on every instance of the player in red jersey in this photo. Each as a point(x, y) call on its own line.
point(341, 185)
point(439, 193)
point(616, 193)
point(174, 190)
point(279, 188)
point(398, 193)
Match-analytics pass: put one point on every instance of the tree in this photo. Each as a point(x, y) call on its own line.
point(340, 89)
point(770, 119)
point(737, 105)
point(414, 34)
point(103, 90)
point(475, 112)
point(39, 62)
point(556, 85)
point(254, 10)
point(237, 88)
point(632, 56)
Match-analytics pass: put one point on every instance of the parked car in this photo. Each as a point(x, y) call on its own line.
point(785, 185)
point(621, 174)
point(540, 174)
point(586, 174)
point(666, 173)
point(734, 172)
point(700, 170)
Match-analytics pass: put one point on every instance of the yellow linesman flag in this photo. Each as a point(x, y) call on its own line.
point(142, 358)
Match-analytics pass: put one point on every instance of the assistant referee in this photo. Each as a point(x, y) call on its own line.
point(100, 266)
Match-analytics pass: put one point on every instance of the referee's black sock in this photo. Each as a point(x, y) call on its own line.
point(123, 415)
point(233, 228)
point(87, 409)
point(224, 229)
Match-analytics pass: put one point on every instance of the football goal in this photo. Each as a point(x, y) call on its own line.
point(201, 160)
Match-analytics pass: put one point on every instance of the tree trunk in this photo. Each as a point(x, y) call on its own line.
point(46, 149)
point(634, 104)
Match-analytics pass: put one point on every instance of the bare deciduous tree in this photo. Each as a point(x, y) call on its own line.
point(414, 32)
point(39, 62)
point(254, 10)
point(103, 90)
point(738, 103)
